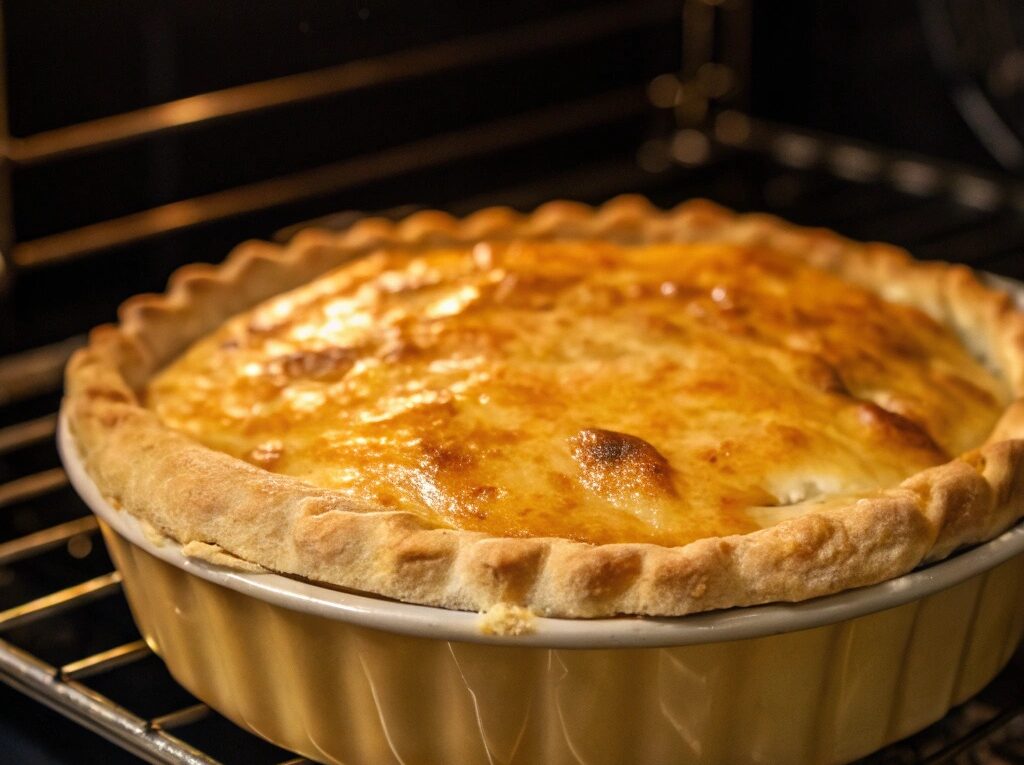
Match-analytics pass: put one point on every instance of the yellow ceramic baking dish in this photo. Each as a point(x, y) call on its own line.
point(346, 678)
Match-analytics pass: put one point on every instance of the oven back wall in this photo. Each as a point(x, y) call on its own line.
point(143, 135)
point(867, 70)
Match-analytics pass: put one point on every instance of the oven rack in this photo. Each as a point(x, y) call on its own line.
point(458, 55)
point(66, 639)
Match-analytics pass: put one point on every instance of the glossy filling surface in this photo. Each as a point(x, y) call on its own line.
point(585, 390)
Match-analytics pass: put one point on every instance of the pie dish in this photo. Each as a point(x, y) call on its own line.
point(579, 412)
point(345, 678)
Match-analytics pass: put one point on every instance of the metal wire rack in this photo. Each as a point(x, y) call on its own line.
point(68, 640)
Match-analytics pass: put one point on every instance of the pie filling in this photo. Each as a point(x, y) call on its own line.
point(586, 390)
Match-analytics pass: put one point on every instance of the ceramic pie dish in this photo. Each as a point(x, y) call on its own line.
point(574, 413)
point(345, 678)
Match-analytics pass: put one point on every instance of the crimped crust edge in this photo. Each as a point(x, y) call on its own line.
point(194, 494)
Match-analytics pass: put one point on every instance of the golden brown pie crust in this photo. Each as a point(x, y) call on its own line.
point(208, 500)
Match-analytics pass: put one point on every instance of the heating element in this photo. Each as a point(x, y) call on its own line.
point(66, 637)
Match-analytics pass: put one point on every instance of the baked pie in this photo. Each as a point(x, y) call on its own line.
point(583, 412)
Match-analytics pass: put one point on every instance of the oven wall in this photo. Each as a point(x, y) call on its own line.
point(435, 103)
point(860, 69)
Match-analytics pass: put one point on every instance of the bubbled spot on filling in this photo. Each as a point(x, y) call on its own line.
point(612, 463)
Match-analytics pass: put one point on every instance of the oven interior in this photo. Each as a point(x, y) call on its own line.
point(139, 137)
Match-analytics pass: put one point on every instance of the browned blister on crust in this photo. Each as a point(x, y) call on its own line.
point(198, 495)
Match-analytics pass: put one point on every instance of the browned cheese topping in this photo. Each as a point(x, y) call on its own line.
point(585, 390)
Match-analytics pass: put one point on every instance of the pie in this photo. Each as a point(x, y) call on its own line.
point(581, 412)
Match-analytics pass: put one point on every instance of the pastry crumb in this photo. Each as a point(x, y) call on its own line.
point(218, 556)
point(506, 619)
